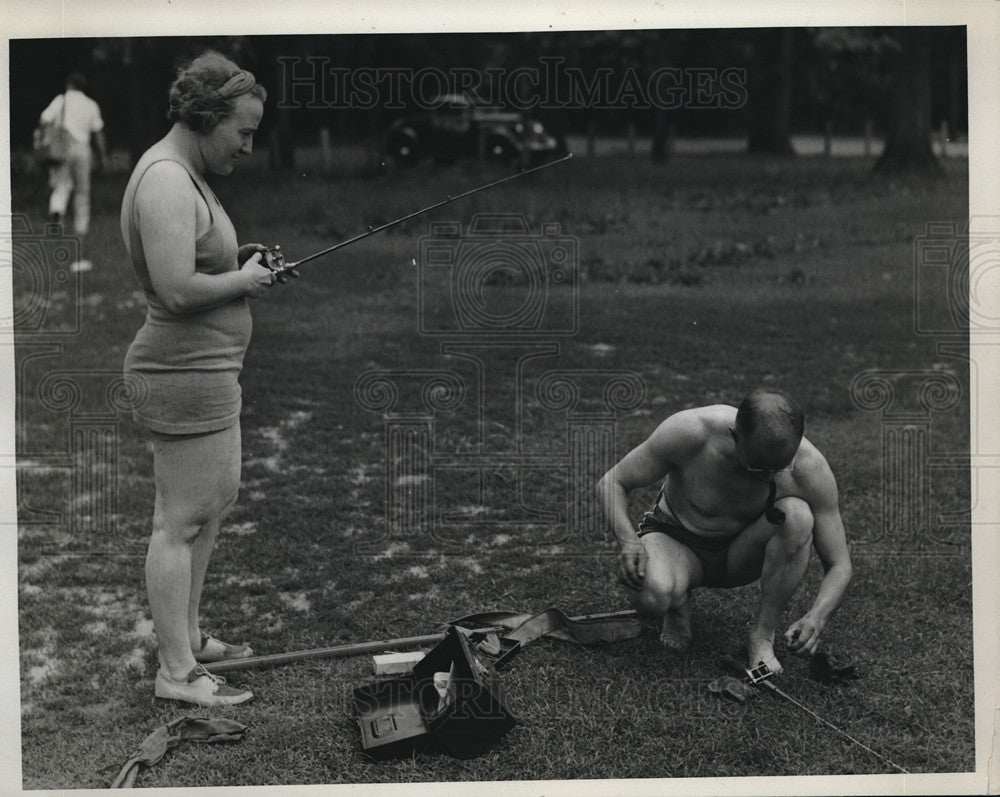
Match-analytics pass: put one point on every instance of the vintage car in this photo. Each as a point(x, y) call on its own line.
point(453, 127)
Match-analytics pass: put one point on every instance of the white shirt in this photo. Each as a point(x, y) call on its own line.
point(83, 116)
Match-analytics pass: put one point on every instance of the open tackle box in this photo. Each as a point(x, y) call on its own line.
point(452, 700)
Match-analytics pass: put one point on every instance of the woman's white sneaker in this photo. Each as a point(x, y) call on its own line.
point(201, 688)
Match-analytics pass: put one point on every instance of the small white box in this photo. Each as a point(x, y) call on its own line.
point(397, 663)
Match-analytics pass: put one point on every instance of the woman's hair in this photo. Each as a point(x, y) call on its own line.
point(205, 91)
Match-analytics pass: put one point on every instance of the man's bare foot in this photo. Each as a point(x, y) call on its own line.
point(761, 649)
point(676, 631)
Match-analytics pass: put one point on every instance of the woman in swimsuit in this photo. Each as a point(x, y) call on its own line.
point(186, 359)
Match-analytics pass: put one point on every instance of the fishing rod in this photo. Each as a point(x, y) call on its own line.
point(760, 676)
point(604, 624)
point(274, 258)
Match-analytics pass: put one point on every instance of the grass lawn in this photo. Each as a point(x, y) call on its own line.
point(701, 278)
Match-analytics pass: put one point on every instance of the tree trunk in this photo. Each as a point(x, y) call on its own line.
point(771, 94)
point(144, 68)
point(908, 133)
point(660, 150)
point(282, 150)
point(137, 99)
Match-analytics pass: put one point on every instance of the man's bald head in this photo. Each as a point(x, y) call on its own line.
point(769, 425)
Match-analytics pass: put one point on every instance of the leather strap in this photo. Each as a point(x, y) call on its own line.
point(585, 629)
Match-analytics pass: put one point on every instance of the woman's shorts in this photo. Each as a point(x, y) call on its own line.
point(185, 403)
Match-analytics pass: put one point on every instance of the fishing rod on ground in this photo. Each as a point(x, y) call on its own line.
point(760, 677)
point(603, 626)
point(274, 258)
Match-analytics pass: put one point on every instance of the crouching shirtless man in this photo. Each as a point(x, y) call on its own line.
point(744, 495)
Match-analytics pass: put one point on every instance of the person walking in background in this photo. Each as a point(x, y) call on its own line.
point(80, 117)
point(186, 359)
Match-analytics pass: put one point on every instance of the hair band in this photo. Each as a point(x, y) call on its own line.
point(240, 83)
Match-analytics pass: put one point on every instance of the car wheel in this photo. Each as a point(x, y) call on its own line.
point(402, 148)
point(500, 150)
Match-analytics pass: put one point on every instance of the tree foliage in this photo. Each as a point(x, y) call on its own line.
point(903, 82)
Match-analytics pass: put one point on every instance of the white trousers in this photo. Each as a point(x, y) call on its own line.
point(72, 177)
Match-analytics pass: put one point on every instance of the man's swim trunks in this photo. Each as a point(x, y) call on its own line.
point(711, 552)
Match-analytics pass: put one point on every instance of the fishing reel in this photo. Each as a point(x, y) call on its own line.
point(274, 259)
point(751, 675)
point(761, 672)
